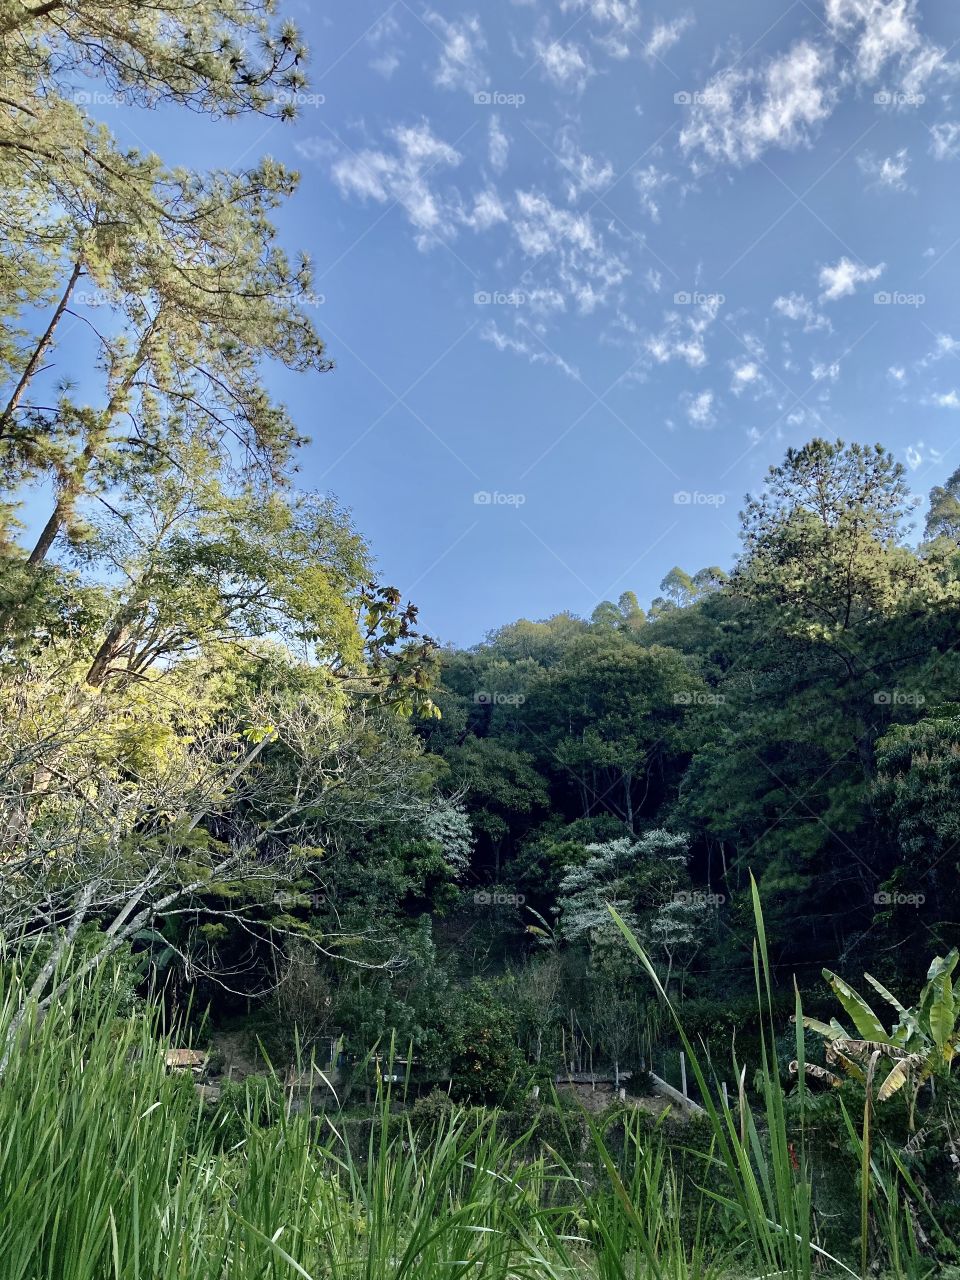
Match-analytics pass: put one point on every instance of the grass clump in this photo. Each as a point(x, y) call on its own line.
point(111, 1168)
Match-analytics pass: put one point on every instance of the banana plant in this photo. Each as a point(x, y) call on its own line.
point(922, 1044)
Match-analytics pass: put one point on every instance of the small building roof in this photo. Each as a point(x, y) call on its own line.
point(186, 1058)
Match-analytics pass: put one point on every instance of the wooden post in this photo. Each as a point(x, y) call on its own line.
point(683, 1074)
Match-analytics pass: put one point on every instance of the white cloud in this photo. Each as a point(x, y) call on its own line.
point(572, 263)
point(565, 65)
point(648, 182)
point(824, 372)
point(754, 345)
point(487, 211)
point(700, 408)
point(945, 140)
point(667, 346)
point(796, 307)
point(947, 400)
point(743, 375)
point(386, 64)
point(665, 35)
point(499, 145)
point(840, 280)
point(888, 172)
point(384, 35)
point(584, 172)
point(587, 271)
point(460, 65)
point(534, 351)
point(897, 373)
point(741, 113)
point(884, 35)
point(621, 18)
point(402, 176)
point(682, 337)
point(947, 345)
point(917, 454)
point(542, 227)
point(624, 14)
point(944, 345)
point(544, 301)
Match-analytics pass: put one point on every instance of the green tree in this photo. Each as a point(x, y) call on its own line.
point(223, 58)
point(917, 793)
point(824, 557)
point(610, 717)
point(943, 518)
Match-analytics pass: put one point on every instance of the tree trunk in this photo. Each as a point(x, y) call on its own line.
point(41, 349)
point(50, 530)
point(106, 654)
point(74, 485)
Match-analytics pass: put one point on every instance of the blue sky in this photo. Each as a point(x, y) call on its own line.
point(588, 267)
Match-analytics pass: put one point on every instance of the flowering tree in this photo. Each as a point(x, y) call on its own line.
point(646, 880)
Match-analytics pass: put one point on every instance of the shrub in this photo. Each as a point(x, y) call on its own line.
point(256, 1102)
point(487, 1064)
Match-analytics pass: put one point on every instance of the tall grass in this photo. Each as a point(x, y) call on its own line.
point(764, 1162)
point(112, 1169)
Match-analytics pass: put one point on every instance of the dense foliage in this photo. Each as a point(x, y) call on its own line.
point(237, 779)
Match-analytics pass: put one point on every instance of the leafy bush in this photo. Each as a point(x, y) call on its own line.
point(487, 1064)
point(256, 1102)
point(432, 1112)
